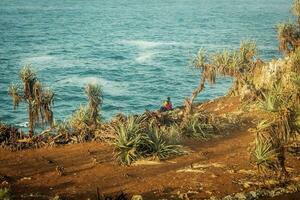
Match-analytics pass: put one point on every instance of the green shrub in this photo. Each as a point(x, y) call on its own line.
point(135, 140)
point(264, 154)
point(158, 144)
point(128, 141)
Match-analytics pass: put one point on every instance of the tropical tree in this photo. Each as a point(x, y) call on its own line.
point(237, 63)
point(38, 98)
point(208, 72)
point(289, 33)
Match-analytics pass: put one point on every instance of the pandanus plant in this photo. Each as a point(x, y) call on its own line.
point(289, 33)
point(237, 64)
point(281, 104)
point(39, 99)
point(208, 74)
point(95, 97)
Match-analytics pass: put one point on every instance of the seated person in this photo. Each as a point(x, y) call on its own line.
point(167, 105)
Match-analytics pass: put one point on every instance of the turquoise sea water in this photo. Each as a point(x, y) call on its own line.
point(138, 50)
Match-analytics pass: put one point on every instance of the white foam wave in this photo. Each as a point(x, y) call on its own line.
point(81, 81)
point(38, 59)
point(144, 57)
point(109, 87)
point(143, 44)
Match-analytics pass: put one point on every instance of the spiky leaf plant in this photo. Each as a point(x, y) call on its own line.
point(197, 128)
point(134, 140)
point(247, 51)
point(172, 133)
point(271, 103)
point(272, 136)
point(264, 153)
point(14, 92)
point(128, 141)
point(158, 145)
point(95, 96)
point(78, 124)
point(38, 99)
point(223, 62)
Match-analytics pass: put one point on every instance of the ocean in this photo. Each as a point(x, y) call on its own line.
point(138, 50)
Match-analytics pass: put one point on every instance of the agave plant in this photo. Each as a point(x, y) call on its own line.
point(128, 141)
point(39, 100)
point(134, 140)
point(264, 154)
point(158, 145)
point(271, 102)
point(79, 124)
point(223, 62)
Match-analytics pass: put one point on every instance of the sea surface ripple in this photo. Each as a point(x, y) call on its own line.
point(138, 50)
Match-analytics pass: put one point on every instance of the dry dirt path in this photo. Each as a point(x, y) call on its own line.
point(211, 168)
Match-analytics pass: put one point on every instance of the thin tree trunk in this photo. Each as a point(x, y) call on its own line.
point(189, 101)
point(30, 115)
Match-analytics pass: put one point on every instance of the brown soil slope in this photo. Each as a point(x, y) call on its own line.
point(215, 167)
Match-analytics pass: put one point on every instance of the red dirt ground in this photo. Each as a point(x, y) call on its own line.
point(31, 176)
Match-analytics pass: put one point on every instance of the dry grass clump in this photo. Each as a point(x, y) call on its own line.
point(9, 135)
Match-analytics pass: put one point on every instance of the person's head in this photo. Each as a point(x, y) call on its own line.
point(168, 98)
